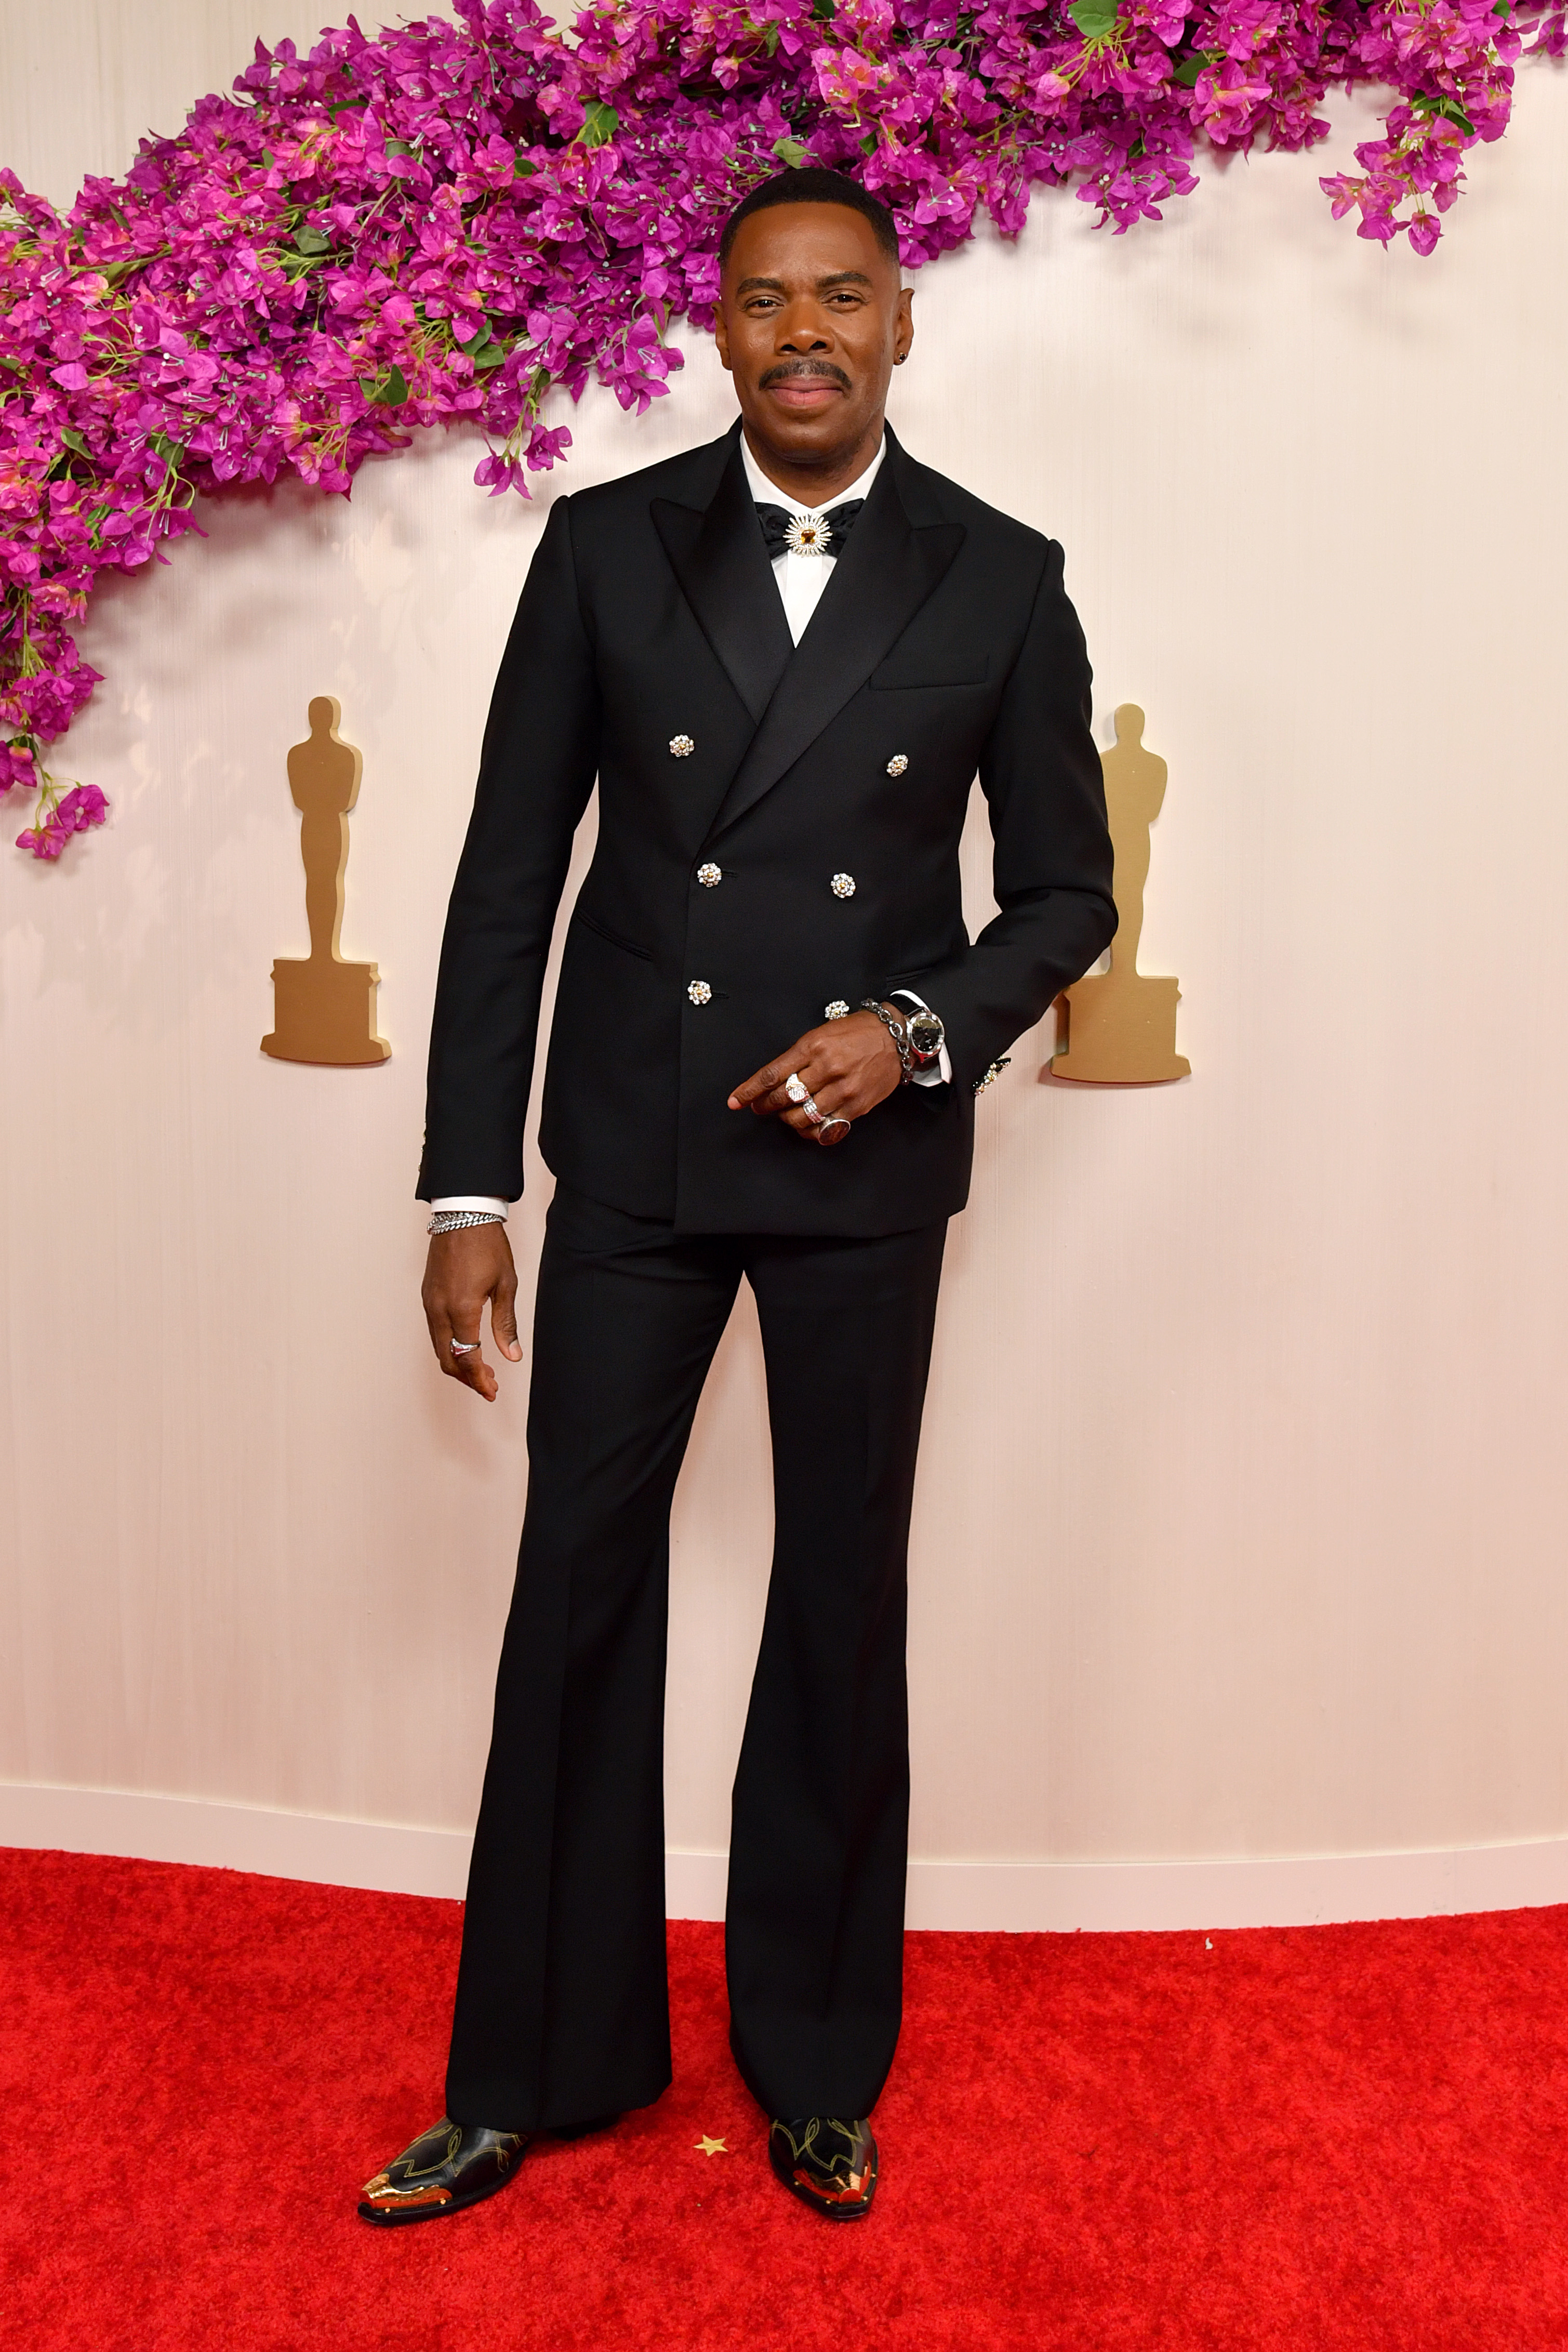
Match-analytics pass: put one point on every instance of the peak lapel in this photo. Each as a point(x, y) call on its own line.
point(884, 575)
point(720, 559)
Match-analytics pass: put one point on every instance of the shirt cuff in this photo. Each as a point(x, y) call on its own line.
point(470, 1200)
point(940, 1076)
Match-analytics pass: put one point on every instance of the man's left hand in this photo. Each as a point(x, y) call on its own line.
point(847, 1067)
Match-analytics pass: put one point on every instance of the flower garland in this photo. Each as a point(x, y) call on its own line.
point(445, 223)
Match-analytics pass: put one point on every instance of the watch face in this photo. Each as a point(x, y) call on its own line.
point(925, 1034)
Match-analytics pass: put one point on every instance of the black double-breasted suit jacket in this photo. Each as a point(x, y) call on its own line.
point(738, 777)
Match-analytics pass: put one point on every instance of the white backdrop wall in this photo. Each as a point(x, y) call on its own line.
point(1240, 1527)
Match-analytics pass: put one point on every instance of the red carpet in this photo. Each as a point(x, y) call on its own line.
point(1308, 2138)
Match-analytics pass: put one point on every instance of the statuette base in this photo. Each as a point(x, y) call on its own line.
point(326, 1013)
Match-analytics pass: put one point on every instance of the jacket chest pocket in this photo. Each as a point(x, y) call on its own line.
point(938, 673)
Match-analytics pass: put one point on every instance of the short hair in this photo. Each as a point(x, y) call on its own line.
point(812, 186)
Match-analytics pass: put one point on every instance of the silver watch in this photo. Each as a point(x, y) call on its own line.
point(926, 1037)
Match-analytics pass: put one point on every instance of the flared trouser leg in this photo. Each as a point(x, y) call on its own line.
point(562, 2008)
point(814, 1934)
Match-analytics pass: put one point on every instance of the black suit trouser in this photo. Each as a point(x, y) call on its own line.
point(562, 2010)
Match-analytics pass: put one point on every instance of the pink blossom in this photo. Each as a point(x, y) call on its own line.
point(83, 806)
point(16, 766)
point(450, 224)
point(45, 840)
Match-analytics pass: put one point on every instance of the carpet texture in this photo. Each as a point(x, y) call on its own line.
point(1312, 2138)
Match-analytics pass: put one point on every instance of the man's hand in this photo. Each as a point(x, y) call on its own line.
point(465, 1268)
point(848, 1067)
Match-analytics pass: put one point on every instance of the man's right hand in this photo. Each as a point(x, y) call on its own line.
point(465, 1268)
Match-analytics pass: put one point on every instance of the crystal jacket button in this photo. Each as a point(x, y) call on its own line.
point(710, 875)
point(837, 1010)
point(895, 766)
point(700, 992)
point(680, 747)
point(843, 886)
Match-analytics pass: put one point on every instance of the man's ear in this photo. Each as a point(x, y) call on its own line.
point(904, 334)
point(721, 337)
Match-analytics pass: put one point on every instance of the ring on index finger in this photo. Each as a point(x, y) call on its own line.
point(795, 1088)
point(463, 1347)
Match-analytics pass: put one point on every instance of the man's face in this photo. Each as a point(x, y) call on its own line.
point(812, 319)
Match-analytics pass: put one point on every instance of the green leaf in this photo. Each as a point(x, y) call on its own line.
point(311, 241)
point(1188, 69)
point(790, 153)
point(823, 11)
point(75, 440)
point(389, 390)
point(599, 123)
point(398, 147)
point(484, 350)
point(771, 38)
point(1444, 110)
point(522, 168)
point(1095, 19)
point(868, 144)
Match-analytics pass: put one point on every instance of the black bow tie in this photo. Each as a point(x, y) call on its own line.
point(814, 534)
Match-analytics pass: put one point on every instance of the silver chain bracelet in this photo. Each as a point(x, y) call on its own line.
point(896, 1030)
point(451, 1221)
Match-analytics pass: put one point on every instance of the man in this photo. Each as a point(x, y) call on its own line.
point(784, 657)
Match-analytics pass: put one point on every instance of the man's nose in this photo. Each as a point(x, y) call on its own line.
point(801, 332)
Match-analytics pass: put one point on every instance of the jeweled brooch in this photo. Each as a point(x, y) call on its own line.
point(808, 534)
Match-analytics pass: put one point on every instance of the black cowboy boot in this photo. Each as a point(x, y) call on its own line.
point(828, 2165)
point(446, 2167)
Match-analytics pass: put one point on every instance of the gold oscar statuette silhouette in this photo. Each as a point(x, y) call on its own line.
point(1118, 1027)
point(324, 1009)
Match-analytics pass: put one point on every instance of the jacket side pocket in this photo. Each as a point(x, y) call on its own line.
point(616, 938)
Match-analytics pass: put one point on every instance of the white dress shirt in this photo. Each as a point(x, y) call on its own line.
point(802, 580)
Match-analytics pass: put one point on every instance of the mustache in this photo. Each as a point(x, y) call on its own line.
point(788, 371)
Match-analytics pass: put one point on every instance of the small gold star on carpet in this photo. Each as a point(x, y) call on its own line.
point(711, 2146)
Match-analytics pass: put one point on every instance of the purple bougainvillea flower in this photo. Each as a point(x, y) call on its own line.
point(454, 223)
point(45, 840)
point(83, 805)
point(16, 766)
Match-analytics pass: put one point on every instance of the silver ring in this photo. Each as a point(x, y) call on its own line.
point(827, 1123)
point(808, 1104)
point(463, 1347)
point(796, 1088)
